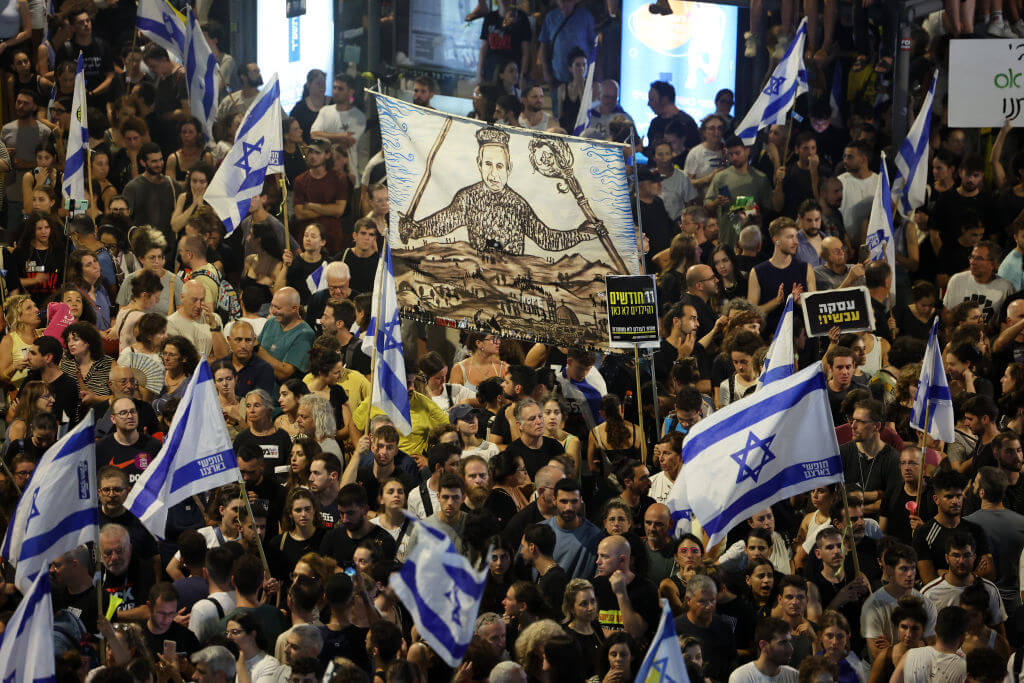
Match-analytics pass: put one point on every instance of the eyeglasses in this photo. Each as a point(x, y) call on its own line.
point(112, 490)
point(235, 632)
point(126, 413)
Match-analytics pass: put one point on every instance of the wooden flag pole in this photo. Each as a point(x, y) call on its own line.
point(848, 531)
point(640, 404)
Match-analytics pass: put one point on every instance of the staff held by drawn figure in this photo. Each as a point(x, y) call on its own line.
point(495, 215)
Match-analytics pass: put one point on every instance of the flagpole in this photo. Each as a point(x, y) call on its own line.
point(639, 403)
point(284, 204)
point(99, 590)
point(376, 333)
point(849, 531)
point(922, 441)
point(248, 506)
point(636, 353)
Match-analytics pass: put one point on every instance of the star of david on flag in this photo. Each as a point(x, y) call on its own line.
point(664, 661)
point(773, 444)
point(879, 236)
point(162, 24)
point(390, 391)
point(786, 84)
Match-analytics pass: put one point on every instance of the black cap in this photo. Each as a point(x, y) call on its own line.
point(648, 174)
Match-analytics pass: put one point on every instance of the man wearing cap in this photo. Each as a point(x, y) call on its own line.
point(657, 226)
point(320, 195)
point(495, 215)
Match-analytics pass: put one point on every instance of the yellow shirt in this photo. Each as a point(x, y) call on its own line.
point(426, 415)
point(356, 386)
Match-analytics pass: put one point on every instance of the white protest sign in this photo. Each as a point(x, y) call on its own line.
point(986, 83)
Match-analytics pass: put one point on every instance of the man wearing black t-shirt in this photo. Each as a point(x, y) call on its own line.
point(384, 446)
point(324, 482)
point(518, 383)
point(354, 528)
point(867, 460)
point(625, 601)
point(505, 36)
point(160, 627)
point(125, 576)
point(44, 365)
point(930, 538)
point(536, 550)
point(265, 494)
point(658, 226)
point(361, 258)
point(73, 587)
point(96, 57)
point(113, 491)
point(126, 448)
point(341, 637)
point(532, 446)
point(714, 632)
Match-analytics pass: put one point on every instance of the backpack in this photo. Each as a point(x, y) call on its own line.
point(228, 306)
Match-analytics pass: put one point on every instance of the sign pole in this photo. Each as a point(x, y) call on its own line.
point(922, 442)
point(848, 532)
point(639, 404)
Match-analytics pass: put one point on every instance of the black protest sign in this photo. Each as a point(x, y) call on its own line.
point(632, 311)
point(848, 308)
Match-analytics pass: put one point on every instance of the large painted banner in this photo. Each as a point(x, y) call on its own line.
point(505, 230)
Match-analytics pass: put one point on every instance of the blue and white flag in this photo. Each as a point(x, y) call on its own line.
point(911, 180)
point(390, 388)
point(317, 281)
point(787, 82)
point(587, 96)
point(257, 152)
point(73, 186)
point(835, 99)
point(58, 511)
point(162, 24)
point(26, 645)
point(780, 362)
point(201, 74)
point(933, 405)
point(880, 238)
point(442, 591)
point(196, 456)
point(664, 661)
point(50, 102)
point(776, 443)
point(679, 508)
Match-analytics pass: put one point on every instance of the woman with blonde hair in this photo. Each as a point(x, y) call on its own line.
point(35, 398)
point(529, 646)
point(579, 614)
point(22, 318)
point(315, 419)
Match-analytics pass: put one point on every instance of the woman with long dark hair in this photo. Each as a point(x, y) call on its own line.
point(682, 253)
point(314, 96)
point(264, 268)
point(85, 276)
point(36, 266)
point(199, 177)
point(619, 660)
point(191, 153)
point(86, 363)
point(288, 400)
point(732, 284)
point(180, 360)
point(614, 440)
point(302, 529)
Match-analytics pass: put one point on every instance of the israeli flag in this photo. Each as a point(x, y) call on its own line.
point(73, 186)
point(196, 456)
point(679, 508)
point(162, 24)
point(835, 99)
point(317, 281)
point(773, 444)
point(587, 96)
point(880, 238)
point(257, 152)
point(390, 390)
point(442, 591)
point(933, 405)
point(911, 180)
point(779, 362)
point(664, 661)
point(787, 82)
point(201, 75)
point(49, 103)
point(58, 510)
point(26, 645)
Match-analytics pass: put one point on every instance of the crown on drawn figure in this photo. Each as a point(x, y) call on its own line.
point(491, 136)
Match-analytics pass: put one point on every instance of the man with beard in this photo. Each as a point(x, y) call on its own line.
point(1004, 528)
point(775, 650)
point(534, 117)
point(796, 183)
point(114, 485)
point(739, 179)
point(343, 123)
point(341, 541)
point(576, 537)
point(477, 476)
point(125, 576)
point(636, 482)
point(944, 591)
point(384, 446)
point(423, 89)
point(321, 195)
point(238, 102)
point(834, 272)
point(449, 516)
point(126, 448)
point(783, 274)
point(969, 197)
point(858, 188)
point(931, 537)
point(151, 196)
point(809, 238)
point(868, 461)
point(625, 601)
point(532, 446)
point(21, 136)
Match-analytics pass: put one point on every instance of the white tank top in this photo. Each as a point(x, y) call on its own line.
point(928, 665)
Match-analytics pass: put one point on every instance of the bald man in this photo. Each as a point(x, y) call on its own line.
point(286, 338)
point(124, 383)
point(625, 601)
point(658, 543)
point(192, 255)
point(540, 509)
point(195, 320)
point(834, 273)
point(701, 292)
